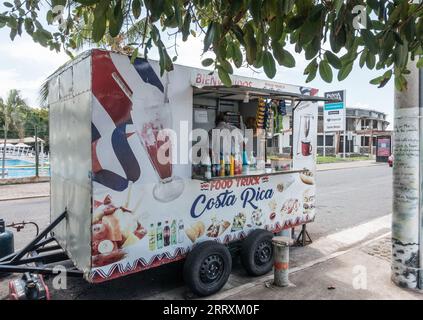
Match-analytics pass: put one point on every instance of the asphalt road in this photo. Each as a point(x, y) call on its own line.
point(348, 197)
point(345, 198)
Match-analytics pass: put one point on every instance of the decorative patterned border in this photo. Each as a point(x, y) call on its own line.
point(120, 269)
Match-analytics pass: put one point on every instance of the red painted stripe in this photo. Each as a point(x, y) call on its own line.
point(281, 265)
point(107, 91)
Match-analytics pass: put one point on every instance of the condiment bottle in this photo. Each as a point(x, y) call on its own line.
point(222, 167)
point(232, 169)
point(207, 164)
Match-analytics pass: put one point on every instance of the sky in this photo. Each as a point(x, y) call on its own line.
point(24, 65)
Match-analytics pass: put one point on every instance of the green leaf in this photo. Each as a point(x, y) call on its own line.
point(178, 13)
point(29, 26)
point(285, 58)
point(277, 50)
point(311, 70)
point(134, 55)
point(207, 62)
point(420, 63)
point(276, 28)
point(99, 25)
point(325, 71)
point(227, 66)
point(208, 39)
point(236, 55)
point(13, 33)
point(363, 58)
point(333, 60)
point(409, 29)
point(312, 49)
point(385, 78)
point(136, 8)
point(8, 4)
point(49, 17)
point(345, 71)
point(186, 26)
point(250, 44)
point(370, 60)
point(116, 20)
point(255, 10)
point(269, 65)
point(370, 41)
point(376, 80)
point(224, 77)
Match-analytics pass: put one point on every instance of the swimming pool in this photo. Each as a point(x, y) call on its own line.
point(17, 168)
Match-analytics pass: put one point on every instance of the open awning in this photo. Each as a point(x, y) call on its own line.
point(237, 92)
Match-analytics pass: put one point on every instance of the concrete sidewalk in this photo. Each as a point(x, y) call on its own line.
point(361, 273)
point(24, 191)
point(348, 165)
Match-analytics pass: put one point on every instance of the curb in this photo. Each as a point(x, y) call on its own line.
point(26, 180)
point(352, 167)
point(27, 197)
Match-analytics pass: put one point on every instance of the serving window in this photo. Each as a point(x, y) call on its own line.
point(260, 131)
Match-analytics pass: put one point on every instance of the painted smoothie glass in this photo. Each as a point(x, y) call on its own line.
point(151, 132)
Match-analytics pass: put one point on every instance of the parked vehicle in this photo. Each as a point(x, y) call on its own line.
point(117, 209)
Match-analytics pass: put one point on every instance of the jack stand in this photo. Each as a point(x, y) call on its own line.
point(303, 238)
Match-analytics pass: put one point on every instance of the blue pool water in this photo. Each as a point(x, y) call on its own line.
point(16, 162)
point(20, 168)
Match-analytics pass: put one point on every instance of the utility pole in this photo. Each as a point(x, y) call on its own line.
point(37, 160)
point(407, 231)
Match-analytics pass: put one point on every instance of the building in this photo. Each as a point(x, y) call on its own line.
point(363, 127)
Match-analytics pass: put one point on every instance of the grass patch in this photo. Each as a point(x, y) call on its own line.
point(331, 159)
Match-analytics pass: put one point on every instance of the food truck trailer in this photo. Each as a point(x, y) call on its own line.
point(117, 208)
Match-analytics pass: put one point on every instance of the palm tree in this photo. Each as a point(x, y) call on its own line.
point(13, 110)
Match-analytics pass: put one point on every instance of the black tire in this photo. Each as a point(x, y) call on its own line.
point(207, 268)
point(257, 252)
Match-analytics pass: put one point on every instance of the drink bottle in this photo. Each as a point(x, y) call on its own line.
point(173, 232)
point(166, 234)
point(152, 238)
point(232, 169)
point(159, 234)
point(181, 231)
point(222, 167)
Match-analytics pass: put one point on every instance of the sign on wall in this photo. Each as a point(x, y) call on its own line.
point(334, 112)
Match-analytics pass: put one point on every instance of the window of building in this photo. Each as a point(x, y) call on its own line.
point(374, 124)
point(329, 141)
point(365, 141)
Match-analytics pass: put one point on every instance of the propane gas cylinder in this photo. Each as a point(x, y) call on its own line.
point(6, 240)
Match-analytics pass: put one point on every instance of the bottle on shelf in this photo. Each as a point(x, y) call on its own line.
point(238, 163)
point(253, 161)
point(227, 165)
point(222, 166)
point(232, 168)
point(208, 169)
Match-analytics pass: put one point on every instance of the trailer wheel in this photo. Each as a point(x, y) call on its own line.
point(257, 252)
point(207, 268)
